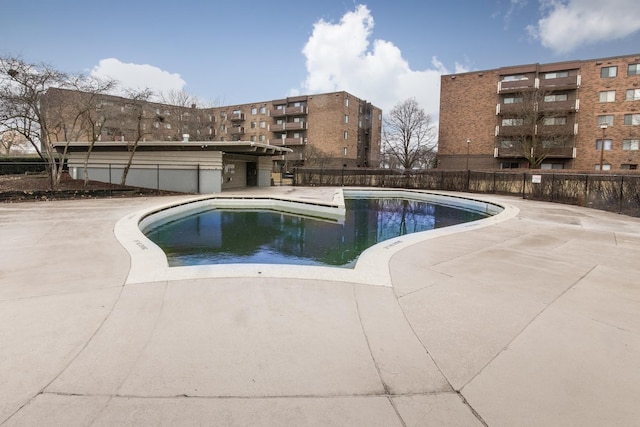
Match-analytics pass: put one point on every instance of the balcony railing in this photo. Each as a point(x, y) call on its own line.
point(235, 130)
point(552, 153)
point(570, 82)
point(289, 111)
point(288, 126)
point(567, 129)
point(288, 141)
point(236, 116)
point(569, 105)
point(516, 85)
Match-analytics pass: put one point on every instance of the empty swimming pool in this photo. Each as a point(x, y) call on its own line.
point(244, 235)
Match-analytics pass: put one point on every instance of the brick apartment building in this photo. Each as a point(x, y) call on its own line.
point(553, 116)
point(331, 129)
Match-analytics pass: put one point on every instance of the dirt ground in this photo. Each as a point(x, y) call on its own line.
point(15, 188)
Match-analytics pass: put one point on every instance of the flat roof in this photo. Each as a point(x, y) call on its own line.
point(235, 147)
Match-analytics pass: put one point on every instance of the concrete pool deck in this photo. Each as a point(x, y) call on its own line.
point(530, 321)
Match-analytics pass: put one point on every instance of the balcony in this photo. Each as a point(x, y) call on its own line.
point(288, 126)
point(551, 153)
point(289, 111)
point(552, 130)
point(570, 82)
point(236, 117)
point(516, 85)
point(569, 105)
point(515, 130)
point(288, 141)
point(235, 130)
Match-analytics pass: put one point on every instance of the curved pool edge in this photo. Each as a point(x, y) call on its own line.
point(149, 263)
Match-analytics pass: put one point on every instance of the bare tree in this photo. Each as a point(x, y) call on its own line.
point(134, 111)
point(11, 140)
point(90, 113)
point(21, 88)
point(534, 128)
point(409, 136)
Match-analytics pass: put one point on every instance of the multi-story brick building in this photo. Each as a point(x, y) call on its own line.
point(331, 129)
point(553, 116)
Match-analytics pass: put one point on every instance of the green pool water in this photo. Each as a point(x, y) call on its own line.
point(240, 236)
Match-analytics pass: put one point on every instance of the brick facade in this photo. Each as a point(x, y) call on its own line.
point(338, 127)
point(473, 106)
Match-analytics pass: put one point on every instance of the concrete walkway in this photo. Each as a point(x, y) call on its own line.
point(534, 321)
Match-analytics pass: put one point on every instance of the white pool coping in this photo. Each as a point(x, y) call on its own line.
point(149, 262)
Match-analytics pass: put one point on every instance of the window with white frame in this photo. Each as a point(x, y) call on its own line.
point(263, 124)
point(512, 122)
point(633, 70)
point(512, 100)
point(554, 121)
point(263, 110)
point(607, 144)
point(633, 94)
point(605, 167)
point(254, 125)
point(556, 75)
point(261, 138)
point(346, 135)
point(254, 111)
point(606, 119)
point(608, 96)
point(346, 102)
point(631, 144)
point(556, 97)
point(608, 72)
point(632, 119)
point(252, 138)
point(346, 118)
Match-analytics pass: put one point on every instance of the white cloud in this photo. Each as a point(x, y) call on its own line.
point(138, 76)
point(568, 24)
point(341, 57)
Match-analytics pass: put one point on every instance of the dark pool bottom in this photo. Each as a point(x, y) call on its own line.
point(240, 236)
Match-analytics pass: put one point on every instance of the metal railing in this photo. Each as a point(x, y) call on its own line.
point(609, 192)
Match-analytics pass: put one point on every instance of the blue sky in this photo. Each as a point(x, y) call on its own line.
point(379, 50)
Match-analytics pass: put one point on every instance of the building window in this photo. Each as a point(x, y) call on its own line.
point(556, 75)
point(346, 118)
point(512, 100)
point(608, 96)
point(223, 116)
point(628, 166)
point(167, 125)
point(509, 165)
point(506, 143)
point(261, 138)
point(346, 102)
point(605, 120)
point(345, 151)
point(254, 111)
point(514, 78)
point(254, 125)
point(605, 167)
point(253, 138)
point(633, 94)
point(552, 166)
point(263, 110)
point(633, 70)
point(632, 119)
point(631, 144)
point(346, 135)
point(263, 124)
point(608, 72)
point(512, 122)
point(556, 98)
point(554, 121)
point(607, 144)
